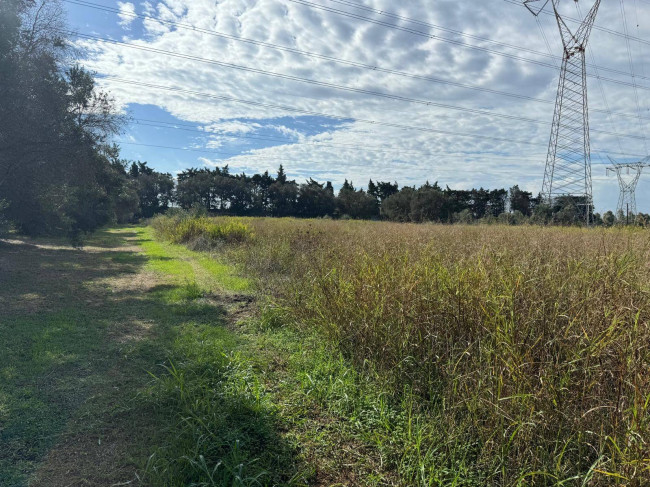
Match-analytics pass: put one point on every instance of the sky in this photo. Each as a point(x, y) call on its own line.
point(455, 91)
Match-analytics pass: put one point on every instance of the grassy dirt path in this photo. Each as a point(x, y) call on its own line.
point(62, 361)
point(137, 362)
point(80, 330)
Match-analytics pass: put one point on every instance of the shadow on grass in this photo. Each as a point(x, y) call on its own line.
point(71, 349)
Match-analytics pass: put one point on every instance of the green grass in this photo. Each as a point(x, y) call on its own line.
point(51, 354)
point(188, 265)
point(68, 361)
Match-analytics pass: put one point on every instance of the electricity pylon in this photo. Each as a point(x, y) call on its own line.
point(628, 174)
point(568, 162)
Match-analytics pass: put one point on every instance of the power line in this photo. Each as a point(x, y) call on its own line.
point(629, 54)
point(326, 115)
point(457, 32)
point(638, 27)
point(595, 27)
point(515, 2)
point(150, 123)
point(310, 112)
point(274, 158)
point(362, 65)
point(180, 126)
point(271, 158)
point(230, 154)
point(312, 54)
point(352, 63)
point(451, 41)
point(325, 84)
point(400, 98)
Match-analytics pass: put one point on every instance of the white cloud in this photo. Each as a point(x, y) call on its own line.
point(232, 127)
point(127, 14)
point(148, 8)
point(359, 150)
point(286, 131)
point(155, 28)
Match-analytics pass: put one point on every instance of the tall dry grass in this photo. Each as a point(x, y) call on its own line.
point(528, 348)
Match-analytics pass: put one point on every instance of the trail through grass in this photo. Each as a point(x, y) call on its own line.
point(80, 333)
point(138, 361)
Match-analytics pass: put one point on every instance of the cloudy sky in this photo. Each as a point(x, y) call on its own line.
point(456, 91)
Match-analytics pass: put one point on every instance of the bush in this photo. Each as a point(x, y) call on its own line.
point(200, 232)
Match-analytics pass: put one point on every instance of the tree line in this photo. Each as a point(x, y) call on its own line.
point(218, 191)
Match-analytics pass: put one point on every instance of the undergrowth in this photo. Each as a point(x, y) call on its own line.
point(198, 232)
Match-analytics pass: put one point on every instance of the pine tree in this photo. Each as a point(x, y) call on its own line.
point(282, 176)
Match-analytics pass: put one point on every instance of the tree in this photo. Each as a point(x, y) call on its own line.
point(397, 207)
point(513, 218)
point(283, 198)
point(566, 212)
point(609, 219)
point(642, 220)
point(373, 190)
point(238, 195)
point(282, 177)
point(455, 201)
point(427, 205)
point(195, 188)
point(480, 199)
point(385, 190)
point(315, 200)
point(262, 200)
point(520, 200)
point(542, 215)
point(465, 217)
point(598, 220)
point(356, 204)
point(56, 168)
point(155, 190)
point(497, 202)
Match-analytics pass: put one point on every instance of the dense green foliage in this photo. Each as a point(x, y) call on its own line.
point(59, 174)
point(527, 348)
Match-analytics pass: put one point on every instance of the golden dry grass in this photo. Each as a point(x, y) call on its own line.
point(527, 347)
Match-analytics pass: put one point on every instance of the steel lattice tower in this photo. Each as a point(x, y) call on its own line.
point(628, 174)
point(568, 163)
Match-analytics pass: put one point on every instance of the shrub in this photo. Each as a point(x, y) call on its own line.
point(200, 232)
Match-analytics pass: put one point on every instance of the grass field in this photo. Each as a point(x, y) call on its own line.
point(326, 353)
point(519, 356)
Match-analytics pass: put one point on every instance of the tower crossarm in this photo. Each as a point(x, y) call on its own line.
point(535, 6)
point(582, 35)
